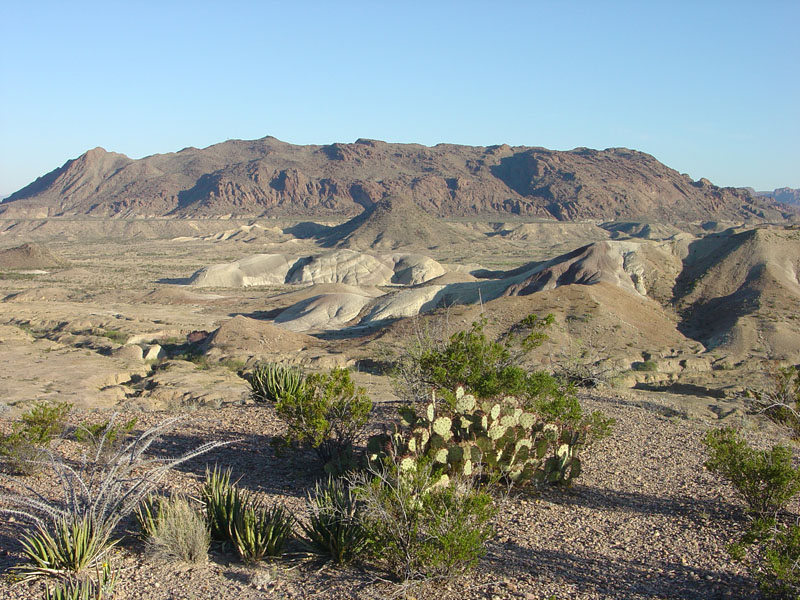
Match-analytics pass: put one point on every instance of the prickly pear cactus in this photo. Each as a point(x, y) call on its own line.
point(495, 437)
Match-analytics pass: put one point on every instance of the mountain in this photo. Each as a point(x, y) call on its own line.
point(785, 195)
point(274, 178)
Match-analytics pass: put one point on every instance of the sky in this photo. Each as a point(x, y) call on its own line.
point(709, 88)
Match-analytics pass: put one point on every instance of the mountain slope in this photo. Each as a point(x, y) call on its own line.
point(270, 177)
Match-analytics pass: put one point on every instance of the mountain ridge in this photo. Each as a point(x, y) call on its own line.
point(268, 177)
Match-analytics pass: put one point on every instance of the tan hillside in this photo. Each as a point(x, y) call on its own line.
point(29, 256)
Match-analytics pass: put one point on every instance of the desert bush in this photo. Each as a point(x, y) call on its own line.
point(497, 439)
point(334, 528)
point(422, 524)
point(24, 449)
point(233, 515)
point(781, 401)
point(272, 381)
point(85, 588)
point(765, 479)
point(485, 367)
point(645, 366)
point(176, 532)
point(95, 496)
point(326, 416)
point(107, 435)
point(770, 549)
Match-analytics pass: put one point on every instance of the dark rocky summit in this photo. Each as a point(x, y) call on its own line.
point(274, 178)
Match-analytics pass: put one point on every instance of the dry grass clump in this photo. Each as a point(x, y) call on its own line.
point(179, 533)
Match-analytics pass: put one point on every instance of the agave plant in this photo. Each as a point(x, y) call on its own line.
point(273, 381)
point(70, 546)
point(260, 531)
point(222, 501)
point(334, 528)
point(234, 516)
point(85, 588)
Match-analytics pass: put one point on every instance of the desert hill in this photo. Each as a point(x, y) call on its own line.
point(29, 256)
point(740, 292)
point(393, 222)
point(785, 195)
point(270, 177)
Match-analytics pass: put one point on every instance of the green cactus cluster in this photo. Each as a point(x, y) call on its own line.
point(270, 382)
point(491, 438)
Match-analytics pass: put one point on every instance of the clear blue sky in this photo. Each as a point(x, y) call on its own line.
point(709, 88)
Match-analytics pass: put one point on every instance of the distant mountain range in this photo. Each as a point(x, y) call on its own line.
point(268, 177)
point(785, 195)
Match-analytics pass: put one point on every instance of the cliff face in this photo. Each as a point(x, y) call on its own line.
point(270, 177)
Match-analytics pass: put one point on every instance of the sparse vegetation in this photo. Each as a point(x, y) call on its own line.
point(648, 366)
point(74, 533)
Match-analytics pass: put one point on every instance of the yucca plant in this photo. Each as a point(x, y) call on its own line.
point(222, 501)
point(70, 546)
point(273, 381)
point(260, 531)
point(146, 514)
point(334, 528)
point(85, 588)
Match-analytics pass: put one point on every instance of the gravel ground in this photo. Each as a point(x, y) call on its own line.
point(645, 520)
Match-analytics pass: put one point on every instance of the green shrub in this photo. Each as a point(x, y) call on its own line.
point(70, 545)
point(487, 368)
point(421, 524)
point(176, 532)
point(334, 528)
point(770, 550)
point(24, 449)
point(765, 479)
point(647, 365)
point(270, 382)
point(107, 435)
point(326, 415)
